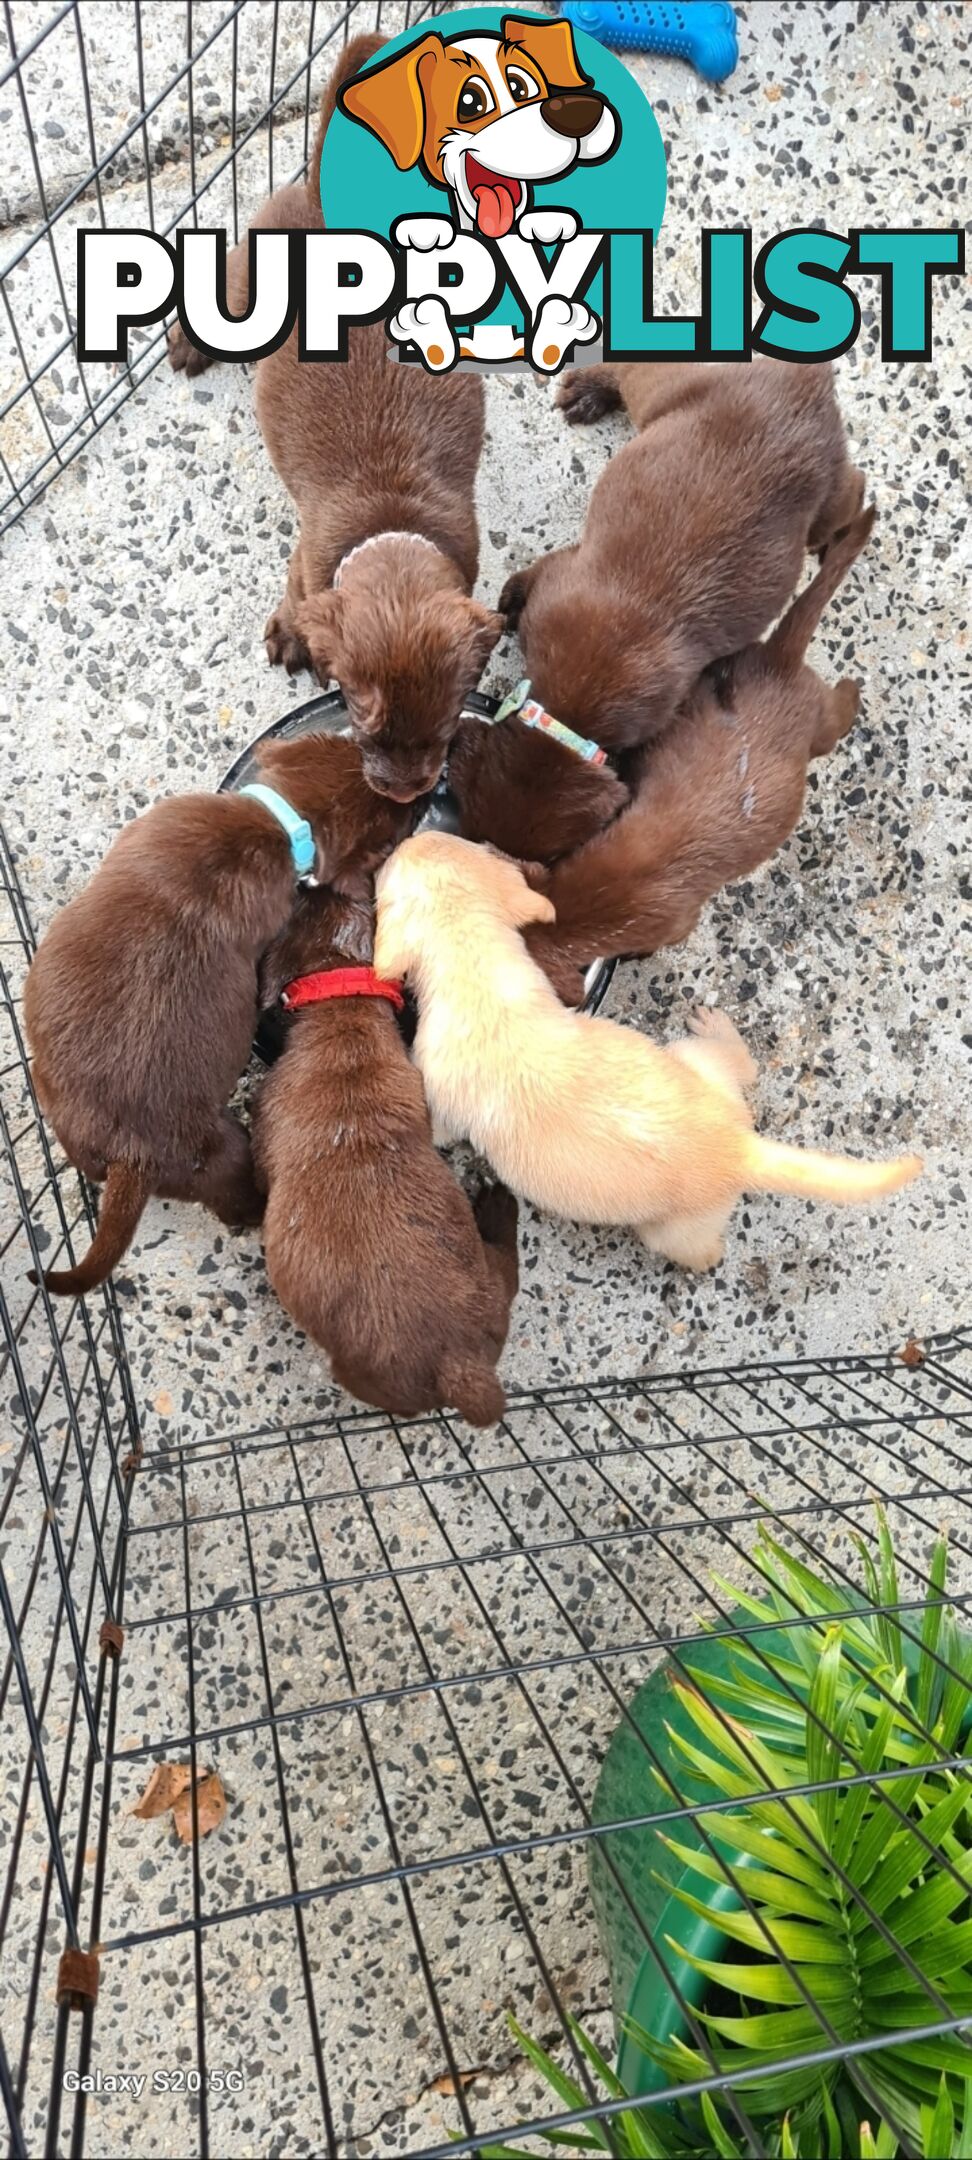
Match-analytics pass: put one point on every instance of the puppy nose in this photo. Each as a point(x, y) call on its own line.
point(572, 112)
point(400, 794)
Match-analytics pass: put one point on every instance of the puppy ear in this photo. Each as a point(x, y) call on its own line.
point(534, 907)
point(389, 99)
point(391, 957)
point(516, 887)
point(537, 874)
point(273, 972)
point(551, 45)
point(355, 934)
point(369, 713)
point(318, 622)
point(515, 594)
point(356, 885)
point(486, 627)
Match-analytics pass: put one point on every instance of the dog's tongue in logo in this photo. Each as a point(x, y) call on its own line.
point(497, 198)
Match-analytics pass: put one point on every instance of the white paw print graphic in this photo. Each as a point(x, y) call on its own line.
point(426, 324)
point(424, 233)
point(560, 324)
point(547, 226)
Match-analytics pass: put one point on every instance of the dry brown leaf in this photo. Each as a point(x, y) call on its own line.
point(210, 1805)
point(912, 1354)
point(447, 2085)
point(167, 1781)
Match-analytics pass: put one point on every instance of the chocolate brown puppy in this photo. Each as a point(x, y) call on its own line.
point(141, 1002)
point(694, 539)
point(370, 1244)
point(358, 828)
point(526, 793)
point(717, 795)
point(381, 462)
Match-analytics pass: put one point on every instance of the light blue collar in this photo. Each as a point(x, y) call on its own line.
point(296, 828)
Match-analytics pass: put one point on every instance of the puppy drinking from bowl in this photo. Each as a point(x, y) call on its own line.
point(141, 1001)
point(381, 462)
point(694, 539)
point(371, 1245)
point(582, 1117)
point(526, 793)
point(720, 791)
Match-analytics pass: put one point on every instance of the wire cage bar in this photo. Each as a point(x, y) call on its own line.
point(138, 114)
point(403, 1648)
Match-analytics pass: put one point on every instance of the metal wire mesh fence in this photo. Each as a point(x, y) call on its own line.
point(145, 115)
point(409, 1654)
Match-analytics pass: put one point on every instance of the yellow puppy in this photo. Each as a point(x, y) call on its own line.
point(582, 1117)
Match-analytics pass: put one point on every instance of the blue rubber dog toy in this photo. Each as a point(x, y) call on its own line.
point(700, 31)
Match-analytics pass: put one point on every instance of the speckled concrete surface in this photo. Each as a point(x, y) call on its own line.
point(134, 598)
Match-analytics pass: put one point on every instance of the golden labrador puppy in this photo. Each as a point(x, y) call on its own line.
point(584, 1118)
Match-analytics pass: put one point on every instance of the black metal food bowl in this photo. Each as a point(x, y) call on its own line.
point(328, 714)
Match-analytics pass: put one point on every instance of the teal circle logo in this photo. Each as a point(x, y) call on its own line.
point(492, 123)
point(362, 189)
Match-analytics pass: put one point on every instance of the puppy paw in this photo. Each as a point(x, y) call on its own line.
point(284, 648)
point(426, 324)
point(424, 233)
point(713, 1026)
point(583, 396)
point(847, 701)
point(497, 1214)
point(513, 598)
point(560, 325)
point(562, 973)
point(709, 1020)
point(548, 226)
point(184, 356)
point(563, 976)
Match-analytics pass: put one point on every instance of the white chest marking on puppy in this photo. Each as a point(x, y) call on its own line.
point(376, 540)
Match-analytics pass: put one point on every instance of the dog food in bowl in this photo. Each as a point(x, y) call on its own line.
point(327, 714)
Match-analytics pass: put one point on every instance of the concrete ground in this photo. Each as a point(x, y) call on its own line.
point(133, 602)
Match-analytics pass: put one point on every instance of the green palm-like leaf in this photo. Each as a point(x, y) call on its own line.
point(929, 1669)
point(873, 1753)
point(823, 1739)
point(850, 1853)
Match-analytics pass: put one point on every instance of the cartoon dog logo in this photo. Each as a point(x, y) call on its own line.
point(487, 118)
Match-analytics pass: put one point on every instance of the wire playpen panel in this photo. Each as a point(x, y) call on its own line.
point(192, 114)
point(403, 1648)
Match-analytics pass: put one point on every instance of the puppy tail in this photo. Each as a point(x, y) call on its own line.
point(788, 644)
point(126, 1190)
point(473, 1390)
point(770, 1167)
point(356, 52)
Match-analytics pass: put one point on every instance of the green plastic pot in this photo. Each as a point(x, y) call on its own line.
point(626, 1788)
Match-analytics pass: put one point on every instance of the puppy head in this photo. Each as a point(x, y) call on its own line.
point(406, 663)
point(322, 776)
point(596, 661)
point(326, 930)
point(434, 885)
point(527, 792)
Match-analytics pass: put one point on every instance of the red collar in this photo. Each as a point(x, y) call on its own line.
point(339, 983)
